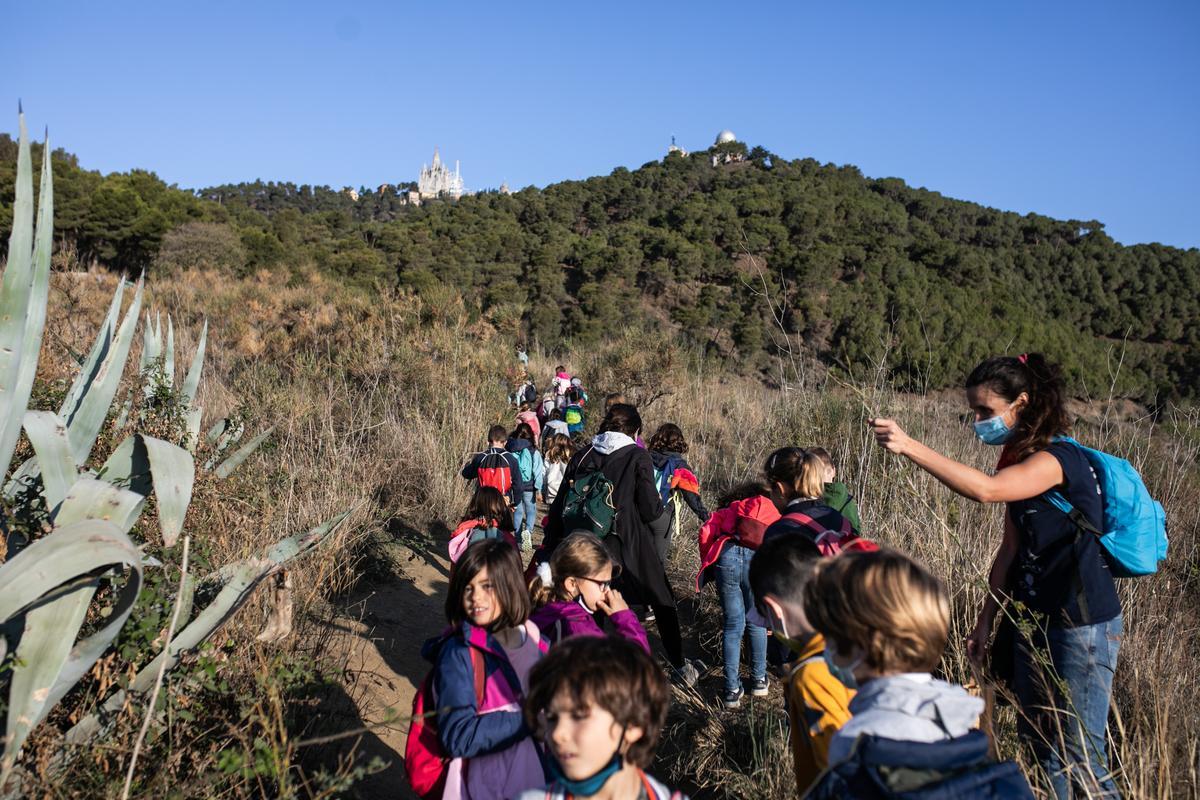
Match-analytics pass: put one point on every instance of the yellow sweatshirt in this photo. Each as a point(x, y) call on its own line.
point(817, 704)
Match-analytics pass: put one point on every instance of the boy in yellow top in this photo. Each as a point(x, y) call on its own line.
point(817, 701)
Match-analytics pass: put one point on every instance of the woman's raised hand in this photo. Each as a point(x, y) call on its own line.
point(889, 435)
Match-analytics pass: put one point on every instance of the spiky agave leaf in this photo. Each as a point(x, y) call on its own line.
point(227, 467)
point(51, 582)
point(239, 580)
point(142, 463)
point(191, 383)
point(84, 425)
point(47, 433)
point(23, 294)
point(100, 347)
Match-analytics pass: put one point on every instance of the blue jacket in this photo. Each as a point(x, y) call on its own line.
point(952, 769)
point(471, 471)
point(463, 731)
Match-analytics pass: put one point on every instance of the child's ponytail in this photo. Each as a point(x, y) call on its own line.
point(541, 588)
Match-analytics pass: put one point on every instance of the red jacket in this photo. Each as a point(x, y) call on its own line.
point(742, 522)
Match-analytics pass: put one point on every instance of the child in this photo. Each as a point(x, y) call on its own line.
point(562, 380)
point(816, 701)
point(547, 406)
point(797, 480)
point(525, 414)
point(886, 620)
point(496, 468)
point(675, 481)
point(487, 606)
point(529, 463)
point(599, 704)
point(558, 452)
point(727, 543)
point(488, 517)
point(555, 425)
point(573, 414)
point(836, 495)
point(573, 586)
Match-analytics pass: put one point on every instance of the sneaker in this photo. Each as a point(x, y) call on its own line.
point(687, 674)
point(758, 688)
point(649, 615)
point(733, 699)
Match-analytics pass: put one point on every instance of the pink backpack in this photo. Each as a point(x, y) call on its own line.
point(830, 543)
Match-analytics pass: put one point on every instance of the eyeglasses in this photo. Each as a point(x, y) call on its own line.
point(604, 585)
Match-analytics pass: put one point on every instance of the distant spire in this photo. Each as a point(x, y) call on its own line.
point(436, 158)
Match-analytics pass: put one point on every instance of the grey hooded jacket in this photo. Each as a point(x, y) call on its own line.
point(913, 707)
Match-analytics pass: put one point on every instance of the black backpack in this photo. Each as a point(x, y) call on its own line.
point(530, 394)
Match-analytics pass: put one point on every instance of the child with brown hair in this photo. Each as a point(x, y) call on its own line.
point(573, 586)
point(599, 704)
point(488, 517)
point(727, 543)
point(556, 454)
point(886, 620)
point(676, 483)
point(487, 608)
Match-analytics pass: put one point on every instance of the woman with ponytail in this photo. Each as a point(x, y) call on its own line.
point(576, 583)
point(1054, 569)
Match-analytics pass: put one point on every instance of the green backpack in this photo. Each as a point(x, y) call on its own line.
point(589, 505)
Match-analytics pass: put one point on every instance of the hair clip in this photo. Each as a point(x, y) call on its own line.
point(1023, 358)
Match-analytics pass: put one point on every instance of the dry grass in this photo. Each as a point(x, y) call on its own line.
point(378, 400)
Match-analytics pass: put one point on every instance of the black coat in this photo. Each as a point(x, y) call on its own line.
point(643, 579)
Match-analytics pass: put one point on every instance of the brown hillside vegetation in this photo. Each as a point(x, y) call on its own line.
point(379, 398)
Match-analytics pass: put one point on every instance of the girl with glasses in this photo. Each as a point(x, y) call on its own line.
point(576, 584)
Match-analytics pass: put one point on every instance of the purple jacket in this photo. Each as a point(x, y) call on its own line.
point(562, 619)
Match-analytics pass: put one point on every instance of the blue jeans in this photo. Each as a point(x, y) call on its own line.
point(1064, 704)
point(526, 512)
point(733, 581)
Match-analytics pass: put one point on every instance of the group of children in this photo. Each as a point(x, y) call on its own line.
point(540, 701)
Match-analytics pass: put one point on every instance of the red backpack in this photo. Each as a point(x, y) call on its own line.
point(425, 760)
point(829, 542)
point(495, 471)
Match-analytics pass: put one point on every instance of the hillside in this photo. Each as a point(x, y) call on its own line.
point(746, 261)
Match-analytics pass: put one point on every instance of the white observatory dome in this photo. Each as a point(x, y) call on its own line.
point(725, 137)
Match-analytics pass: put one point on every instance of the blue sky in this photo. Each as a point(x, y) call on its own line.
point(1075, 110)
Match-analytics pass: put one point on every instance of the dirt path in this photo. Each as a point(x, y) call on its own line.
point(379, 635)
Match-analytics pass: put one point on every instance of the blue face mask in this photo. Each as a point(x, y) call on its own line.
point(843, 674)
point(588, 786)
point(993, 430)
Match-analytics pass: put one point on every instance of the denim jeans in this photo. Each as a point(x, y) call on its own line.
point(526, 512)
point(733, 581)
point(1064, 709)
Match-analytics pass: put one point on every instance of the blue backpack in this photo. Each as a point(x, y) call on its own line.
point(525, 462)
point(1134, 532)
point(662, 479)
point(952, 769)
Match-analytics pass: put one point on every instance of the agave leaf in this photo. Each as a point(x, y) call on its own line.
point(48, 434)
point(50, 628)
point(35, 321)
point(93, 499)
point(234, 461)
point(96, 355)
point(169, 355)
point(129, 466)
point(47, 573)
point(194, 418)
point(240, 579)
point(22, 476)
point(85, 426)
point(174, 474)
point(15, 291)
point(192, 382)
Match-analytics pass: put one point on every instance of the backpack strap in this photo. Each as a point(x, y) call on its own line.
point(816, 527)
point(479, 671)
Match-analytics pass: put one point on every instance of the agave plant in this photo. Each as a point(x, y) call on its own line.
point(48, 585)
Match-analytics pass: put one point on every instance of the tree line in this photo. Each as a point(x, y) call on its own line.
point(744, 260)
